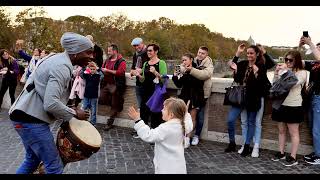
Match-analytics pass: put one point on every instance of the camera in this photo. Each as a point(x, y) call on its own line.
point(305, 34)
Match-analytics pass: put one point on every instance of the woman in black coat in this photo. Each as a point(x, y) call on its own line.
point(250, 73)
point(191, 88)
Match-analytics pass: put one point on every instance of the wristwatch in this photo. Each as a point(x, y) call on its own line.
point(137, 121)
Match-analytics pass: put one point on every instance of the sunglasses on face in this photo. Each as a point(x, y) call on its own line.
point(288, 60)
point(149, 50)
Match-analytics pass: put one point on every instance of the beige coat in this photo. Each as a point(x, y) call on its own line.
point(205, 75)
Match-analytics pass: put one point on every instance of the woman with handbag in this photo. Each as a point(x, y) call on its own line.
point(269, 63)
point(191, 89)
point(152, 72)
point(250, 74)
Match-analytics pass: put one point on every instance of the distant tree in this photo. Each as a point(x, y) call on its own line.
point(174, 39)
point(6, 33)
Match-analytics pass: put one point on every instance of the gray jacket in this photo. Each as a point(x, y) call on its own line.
point(281, 87)
point(52, 88)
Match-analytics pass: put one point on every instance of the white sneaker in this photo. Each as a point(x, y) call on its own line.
point(186, 142)
point(241, 149)
point(255, 152)
point(195, 140)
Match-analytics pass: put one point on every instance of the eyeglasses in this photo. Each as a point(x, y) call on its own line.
point(287, 59)
point(149, 50)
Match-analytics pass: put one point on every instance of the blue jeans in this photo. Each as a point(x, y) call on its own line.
point(200, 120)
point(139, 94)
point(233, 116)
point(244, 124)
point(39, 144)
point(91, 103)
point(316, 123)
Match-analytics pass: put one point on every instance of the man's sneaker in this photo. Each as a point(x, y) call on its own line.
point(309, 156)
point(314, 160)
point(195, 140)
point(290, 161)
point(255, 152)
point(186, 142)
point(278, 156)
point(241, 149)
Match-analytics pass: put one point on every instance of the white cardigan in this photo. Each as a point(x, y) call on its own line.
point(169, 150)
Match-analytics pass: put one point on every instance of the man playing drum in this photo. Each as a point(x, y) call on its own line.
point(42, 101)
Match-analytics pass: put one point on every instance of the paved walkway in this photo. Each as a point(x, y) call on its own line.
point(122, 154)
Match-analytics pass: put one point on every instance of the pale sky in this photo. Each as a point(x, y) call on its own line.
point(268, 25)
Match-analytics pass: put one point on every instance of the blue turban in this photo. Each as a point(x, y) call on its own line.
point(75, 43)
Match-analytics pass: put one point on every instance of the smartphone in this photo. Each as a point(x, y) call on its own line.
point(281, 60)
point(305, 34)
point(177, 68)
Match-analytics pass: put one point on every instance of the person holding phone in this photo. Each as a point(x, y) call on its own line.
point(314, 81)
point(191, 89)
point(9, 70)
point(203, 71)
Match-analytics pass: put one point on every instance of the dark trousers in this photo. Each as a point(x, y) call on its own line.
point(155, 118)
point(4, 87)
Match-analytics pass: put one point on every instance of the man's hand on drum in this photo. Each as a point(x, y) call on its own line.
point(81, 114)
point(133, 114)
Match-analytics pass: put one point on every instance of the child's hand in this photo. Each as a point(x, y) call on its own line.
point(133, 114)
point(87, 71)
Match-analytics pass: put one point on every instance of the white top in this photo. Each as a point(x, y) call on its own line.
point(169, 150)
point(294, 97)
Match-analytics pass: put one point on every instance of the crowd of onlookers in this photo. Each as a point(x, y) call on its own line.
point(294, 91)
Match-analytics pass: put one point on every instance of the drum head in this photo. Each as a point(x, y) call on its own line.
point(86, 132)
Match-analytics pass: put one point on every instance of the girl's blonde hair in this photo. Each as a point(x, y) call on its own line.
point(178, 108)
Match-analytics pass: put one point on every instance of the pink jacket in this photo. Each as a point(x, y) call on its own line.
point(79, 85)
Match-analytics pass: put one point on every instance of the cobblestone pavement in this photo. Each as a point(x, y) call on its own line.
point(123, 154)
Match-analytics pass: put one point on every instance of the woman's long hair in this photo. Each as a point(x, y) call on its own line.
point(10, 59)
point(297, 62)
point(260, 59)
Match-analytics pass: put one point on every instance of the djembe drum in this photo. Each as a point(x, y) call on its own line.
point(76, 140)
